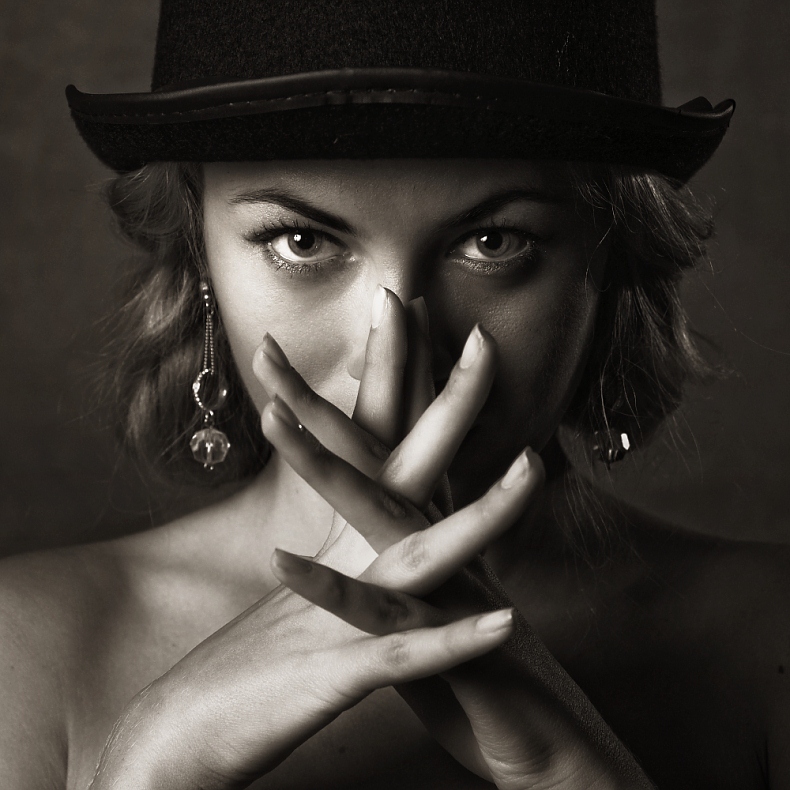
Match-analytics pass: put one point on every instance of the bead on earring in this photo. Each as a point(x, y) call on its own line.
point(209, 445)
point(611, 445)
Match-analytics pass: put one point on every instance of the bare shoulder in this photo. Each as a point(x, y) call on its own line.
point(83, 629)
point(46, 599)
point(741, 591)
point(47, 602)
point(734, 594)
point(728, 603)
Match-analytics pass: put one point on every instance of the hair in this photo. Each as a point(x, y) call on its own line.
point(642, 353)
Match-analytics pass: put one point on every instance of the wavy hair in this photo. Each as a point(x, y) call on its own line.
point(642, 355)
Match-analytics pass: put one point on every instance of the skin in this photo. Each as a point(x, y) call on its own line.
point(540, 313)
point(676, 639)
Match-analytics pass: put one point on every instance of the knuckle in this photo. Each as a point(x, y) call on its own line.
point(396, 651)
point(413, 552)
point(331, 682)
point(377, 449)
point(393, 505)
point(335, 594)
point(393, 609)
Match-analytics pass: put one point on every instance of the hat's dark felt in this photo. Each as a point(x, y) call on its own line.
point(276, 79)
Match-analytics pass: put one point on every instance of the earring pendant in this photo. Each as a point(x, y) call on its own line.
point(611, 446)
point(209, 445)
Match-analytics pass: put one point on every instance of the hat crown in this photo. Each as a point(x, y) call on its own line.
point(608, 46)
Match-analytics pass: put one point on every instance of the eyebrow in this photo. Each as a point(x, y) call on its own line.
point(497, 201)
point(306, 209)
point(293, 203)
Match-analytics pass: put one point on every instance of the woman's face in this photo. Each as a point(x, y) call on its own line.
point(297, 249)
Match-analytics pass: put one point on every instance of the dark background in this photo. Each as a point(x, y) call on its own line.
point(724, 469)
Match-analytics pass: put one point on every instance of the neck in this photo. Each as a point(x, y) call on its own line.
point(275, 510)
point(572, 522)
point(279, 510)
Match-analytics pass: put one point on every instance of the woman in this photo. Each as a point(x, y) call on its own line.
point(529, 293)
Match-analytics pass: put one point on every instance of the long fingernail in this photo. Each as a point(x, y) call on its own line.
point(274, 352)
point(518, 471)
point(282, 411)
point(292, 563)
point(494, 622)
point(472, 348)
point(379, 307)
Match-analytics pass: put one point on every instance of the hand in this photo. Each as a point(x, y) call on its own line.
point(246, 697)
point(532, 725)
point(243, 699)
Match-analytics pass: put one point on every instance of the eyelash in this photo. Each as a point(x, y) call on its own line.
point(270, 231)
point(528, 257)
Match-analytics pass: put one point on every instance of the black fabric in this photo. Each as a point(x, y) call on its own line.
point(394, 86)
point(274, 79)
point(603, 45)
point(392, 131)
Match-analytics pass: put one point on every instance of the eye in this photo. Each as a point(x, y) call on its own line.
point(304, 245)
point(495, 244)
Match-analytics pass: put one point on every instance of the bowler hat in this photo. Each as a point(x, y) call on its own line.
point(238, 80)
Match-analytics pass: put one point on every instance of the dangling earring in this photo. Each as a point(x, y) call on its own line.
point(611, 445)
point(209, 445)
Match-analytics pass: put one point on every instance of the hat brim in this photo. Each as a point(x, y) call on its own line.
point(395, 113)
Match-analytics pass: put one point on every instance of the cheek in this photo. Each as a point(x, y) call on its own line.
point(543, 334)
point(317, 330)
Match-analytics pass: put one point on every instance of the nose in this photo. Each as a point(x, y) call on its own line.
point(403, 276)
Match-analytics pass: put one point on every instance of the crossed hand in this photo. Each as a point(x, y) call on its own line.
point(397, 594)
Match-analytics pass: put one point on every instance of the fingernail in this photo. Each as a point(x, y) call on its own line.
point(281, 410)
point(292, 563)
point(472, 348)
point(379, 307)
point(518, 470)
point(494, 622)
point(274, 352)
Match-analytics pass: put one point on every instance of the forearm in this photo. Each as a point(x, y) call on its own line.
point(533, 690)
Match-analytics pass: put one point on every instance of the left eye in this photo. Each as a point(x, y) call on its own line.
point(304, 245)
point(494, 245)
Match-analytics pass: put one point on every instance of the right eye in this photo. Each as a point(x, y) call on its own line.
point(305, 246)
point(495, 244)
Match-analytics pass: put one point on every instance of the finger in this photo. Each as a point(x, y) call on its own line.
point(378, 515)
point(378, 406)
point(425, 560)
point(433, 701)
point(418, 388)
point(366, 606)
point(411, 655)
point(418, 463)
point(324, 420)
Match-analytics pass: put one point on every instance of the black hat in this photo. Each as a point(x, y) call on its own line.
point(242, 80)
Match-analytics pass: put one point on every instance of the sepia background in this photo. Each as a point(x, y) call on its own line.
point(725, 467)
